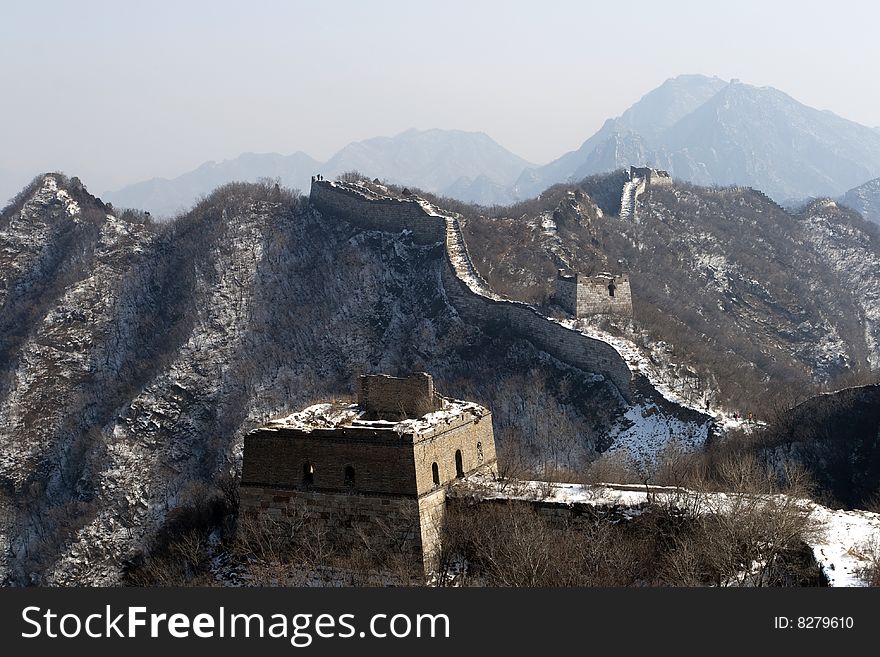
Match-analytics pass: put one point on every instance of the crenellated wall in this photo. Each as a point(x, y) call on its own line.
point(373, 212)
point(394, 398)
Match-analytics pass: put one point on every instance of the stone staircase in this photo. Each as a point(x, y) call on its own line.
point(631, 190)
point(460, 258)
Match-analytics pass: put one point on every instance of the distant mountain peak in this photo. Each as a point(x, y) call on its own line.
point(701, 128)
point(164, 197)
point(708, 131)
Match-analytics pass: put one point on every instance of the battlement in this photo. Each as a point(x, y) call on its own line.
point(383, 397)
point(602, 294)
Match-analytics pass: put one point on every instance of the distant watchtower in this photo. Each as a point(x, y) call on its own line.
point(371, 472)
point(651, 177)
point(602, 294)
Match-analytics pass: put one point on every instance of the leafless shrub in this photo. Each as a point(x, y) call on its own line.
point(755, 534)
point(513, 463)
point(352, 176)
point(611, 468)
point(179, 552)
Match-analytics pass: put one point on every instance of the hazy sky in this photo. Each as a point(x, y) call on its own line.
point(115, 92)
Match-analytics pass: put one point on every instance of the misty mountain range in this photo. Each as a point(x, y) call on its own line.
point(712, 132)
point(864, 199)
point(464, 165)
point(702, 129)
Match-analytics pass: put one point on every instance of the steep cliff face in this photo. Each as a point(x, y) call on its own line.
point(135, 357)
point(836, 437)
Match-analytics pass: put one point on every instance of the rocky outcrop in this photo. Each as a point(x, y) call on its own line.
point(836, 437)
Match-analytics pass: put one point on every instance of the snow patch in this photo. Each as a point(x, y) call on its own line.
point(344, 414)
point(51, 190)
point(644, 432)
point(548, 226)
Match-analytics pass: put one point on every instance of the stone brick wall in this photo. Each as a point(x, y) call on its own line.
point(385, 214)
point(594, 298)
point(566, 293)
point(471, 438)
point(566, 344)
point(394, 503)
point(396, 215)
point(583, 296)
point(395, 398)
point(652, 177)
point(432, 517)
point(558, 514)
point(382, 460)
point(349, 521)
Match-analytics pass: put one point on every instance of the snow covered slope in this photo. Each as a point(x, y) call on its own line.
point(134, 357)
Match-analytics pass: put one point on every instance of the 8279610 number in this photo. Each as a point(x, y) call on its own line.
point(814, 623)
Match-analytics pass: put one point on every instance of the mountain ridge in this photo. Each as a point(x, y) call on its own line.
point(726, 134)
point(134, 355)
point(472, 164)
point(864, 199)
point(168, 341)
point(702, 129)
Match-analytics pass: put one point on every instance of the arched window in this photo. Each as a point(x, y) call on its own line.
point(435, 473)
point(480, 451)
point(459, 466)
point(348, 479)
point(308, 474)
point(611, 288)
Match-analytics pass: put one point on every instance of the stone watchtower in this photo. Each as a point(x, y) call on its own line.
point(603, 294)
point(651, 177)
point(371, 474)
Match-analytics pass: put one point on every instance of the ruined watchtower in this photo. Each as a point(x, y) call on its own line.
point(602, 294)
point(372, 473)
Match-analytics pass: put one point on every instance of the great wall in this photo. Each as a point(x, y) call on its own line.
point(631, 190)
point(386, 461)
point(368, 208)
point(638, 180)
point(404, 457)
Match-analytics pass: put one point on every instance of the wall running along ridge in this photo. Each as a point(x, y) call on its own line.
point(467, 291)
